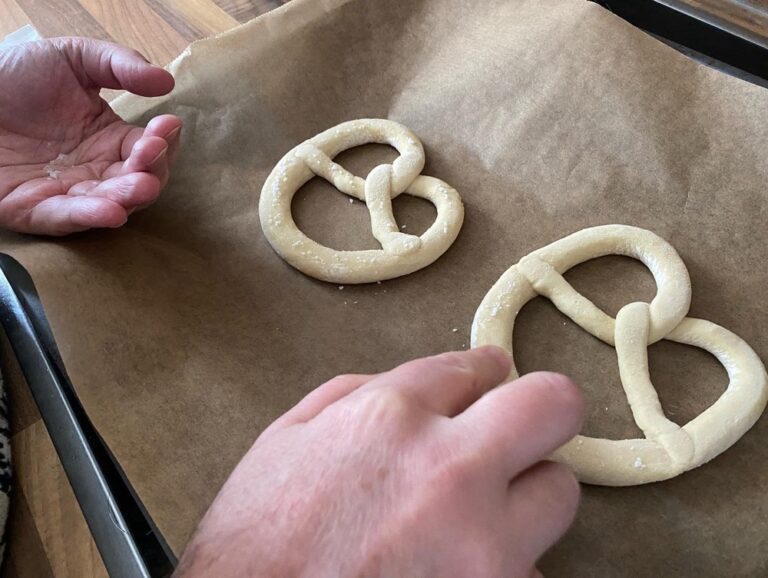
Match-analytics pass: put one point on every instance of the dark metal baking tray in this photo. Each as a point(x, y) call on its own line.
point(129, 542)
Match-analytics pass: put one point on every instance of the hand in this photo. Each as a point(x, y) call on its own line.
point(67, 161)
point(413, 472)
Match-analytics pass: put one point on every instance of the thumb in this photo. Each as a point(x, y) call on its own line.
point(107, 65)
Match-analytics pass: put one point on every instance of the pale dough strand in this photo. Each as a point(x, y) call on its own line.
point(632, 324)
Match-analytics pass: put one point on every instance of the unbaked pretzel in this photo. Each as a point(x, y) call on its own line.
point(401, 253)
point(667, 449)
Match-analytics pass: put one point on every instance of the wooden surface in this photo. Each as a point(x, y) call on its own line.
point(47, 534)
point(159, 29)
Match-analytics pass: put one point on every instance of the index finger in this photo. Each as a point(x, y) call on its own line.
point(524, 421)
point(447, 383)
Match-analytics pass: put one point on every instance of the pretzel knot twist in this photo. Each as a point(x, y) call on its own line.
point(401, 253)
point(667, 449)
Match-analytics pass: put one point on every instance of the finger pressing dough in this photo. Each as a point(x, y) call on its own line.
point(667, 449)
point(401, 253)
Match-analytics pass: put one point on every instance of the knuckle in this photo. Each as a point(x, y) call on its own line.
point(451, 365)
point(451, 472)
point(135, 53)
point(453, 360)
point(385, 405)
point(66, 43)
point(449, 360)
point(448, 479)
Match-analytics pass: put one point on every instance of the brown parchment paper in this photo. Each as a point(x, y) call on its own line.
point(186, 335)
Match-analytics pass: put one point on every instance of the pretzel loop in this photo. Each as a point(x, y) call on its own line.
point(401, 253)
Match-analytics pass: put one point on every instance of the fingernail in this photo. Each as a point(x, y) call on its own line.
point(159, 156)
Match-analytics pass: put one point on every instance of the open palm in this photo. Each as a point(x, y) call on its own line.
point(67, 161)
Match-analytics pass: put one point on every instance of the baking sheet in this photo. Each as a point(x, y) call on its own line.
point(186, 335)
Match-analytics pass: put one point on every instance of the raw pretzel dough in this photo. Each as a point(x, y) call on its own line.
point(667, 449)
point(401, 253)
